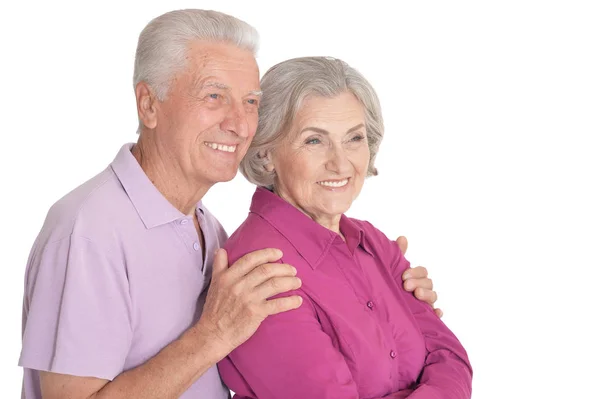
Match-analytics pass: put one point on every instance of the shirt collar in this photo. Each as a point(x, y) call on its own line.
point(310, 239)
point(152, 207)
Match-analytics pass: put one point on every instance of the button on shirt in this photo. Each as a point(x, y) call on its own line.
point(357, 334)
point(114, 276)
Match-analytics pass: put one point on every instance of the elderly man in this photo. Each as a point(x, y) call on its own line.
point(117, 303)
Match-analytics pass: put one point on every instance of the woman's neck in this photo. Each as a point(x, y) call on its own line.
point(330, 222)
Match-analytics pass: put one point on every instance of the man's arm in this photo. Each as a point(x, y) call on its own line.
point(166, 375)
point(235, 306)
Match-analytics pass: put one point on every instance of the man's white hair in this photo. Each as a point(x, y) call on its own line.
point(163, 44)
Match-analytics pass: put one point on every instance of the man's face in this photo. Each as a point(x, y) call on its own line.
point(209, 117)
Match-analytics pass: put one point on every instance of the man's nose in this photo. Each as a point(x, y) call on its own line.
point(236, 121)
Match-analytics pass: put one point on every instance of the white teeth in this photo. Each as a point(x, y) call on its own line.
point(339, 183)
point(221, 147)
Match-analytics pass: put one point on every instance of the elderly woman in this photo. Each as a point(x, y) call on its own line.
point(358, 334)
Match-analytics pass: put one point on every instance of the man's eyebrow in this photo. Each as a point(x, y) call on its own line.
point(216, 84)
point(222, 86)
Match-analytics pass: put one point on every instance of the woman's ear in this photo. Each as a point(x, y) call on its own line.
point(268, 161)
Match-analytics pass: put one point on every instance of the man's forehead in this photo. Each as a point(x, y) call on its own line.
point(220, 55)
point(223, 66)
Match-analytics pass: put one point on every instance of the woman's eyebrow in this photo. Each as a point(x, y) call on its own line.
point(325, 132)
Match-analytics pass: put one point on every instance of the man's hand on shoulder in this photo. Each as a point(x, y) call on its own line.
point(417, 281)
point(237, 300)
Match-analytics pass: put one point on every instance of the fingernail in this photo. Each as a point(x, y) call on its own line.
point(406, 275)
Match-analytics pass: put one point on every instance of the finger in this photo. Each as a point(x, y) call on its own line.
point(439, 313)
point(415, 272)
point(277, 285)
point(414, 283)
point(283, 304)
point(250, 261)
point(427, 296)
point(220, 262)
point(262, 273)
point(402, 243)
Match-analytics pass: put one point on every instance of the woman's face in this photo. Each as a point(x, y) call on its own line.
point(321, 167)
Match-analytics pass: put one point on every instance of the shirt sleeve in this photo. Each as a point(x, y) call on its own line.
point(447, 373)
point(291, 357)
point(76, 311)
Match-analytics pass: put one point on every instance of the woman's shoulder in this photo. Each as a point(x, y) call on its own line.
point(256, 233)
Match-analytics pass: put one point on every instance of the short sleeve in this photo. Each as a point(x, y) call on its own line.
point(77, 310)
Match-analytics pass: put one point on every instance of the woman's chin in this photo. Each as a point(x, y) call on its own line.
point(337, 210)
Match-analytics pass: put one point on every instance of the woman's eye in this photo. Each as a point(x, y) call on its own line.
point(358, 137)
point(313, 141)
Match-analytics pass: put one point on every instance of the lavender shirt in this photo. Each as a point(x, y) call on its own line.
point(115, 275)
point(358, 333)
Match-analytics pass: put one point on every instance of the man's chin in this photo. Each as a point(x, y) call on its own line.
point(225, 177)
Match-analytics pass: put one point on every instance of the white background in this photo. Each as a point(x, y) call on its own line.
point(490, 162)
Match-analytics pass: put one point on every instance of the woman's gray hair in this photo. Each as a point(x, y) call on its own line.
point(285, 86)
point(163, 44)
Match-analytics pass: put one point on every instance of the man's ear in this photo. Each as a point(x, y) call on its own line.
point(146, 105)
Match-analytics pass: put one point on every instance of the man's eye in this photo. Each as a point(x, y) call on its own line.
point(252, 101)
point(214, 96)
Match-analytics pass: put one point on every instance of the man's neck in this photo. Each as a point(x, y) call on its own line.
point(168, 177)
